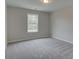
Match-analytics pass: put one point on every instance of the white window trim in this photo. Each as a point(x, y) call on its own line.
point(37, 23)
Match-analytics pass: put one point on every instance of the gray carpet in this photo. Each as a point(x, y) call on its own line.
point(45, 48)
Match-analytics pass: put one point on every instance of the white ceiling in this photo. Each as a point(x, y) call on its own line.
point(38, 5)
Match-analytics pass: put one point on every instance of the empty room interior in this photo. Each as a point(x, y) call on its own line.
point(39, 29)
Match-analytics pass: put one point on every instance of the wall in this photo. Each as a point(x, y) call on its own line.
point(16, 24)
point(62, 24)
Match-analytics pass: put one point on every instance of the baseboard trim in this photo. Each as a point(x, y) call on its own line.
point(56, 37)
point(15, 41)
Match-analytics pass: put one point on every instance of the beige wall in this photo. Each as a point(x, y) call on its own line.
point(62, 24)
point(16, 24)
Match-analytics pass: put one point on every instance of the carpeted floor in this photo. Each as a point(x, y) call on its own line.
point(45, 48)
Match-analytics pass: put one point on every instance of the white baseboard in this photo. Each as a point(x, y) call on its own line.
point(19, 40)
point(59, 38)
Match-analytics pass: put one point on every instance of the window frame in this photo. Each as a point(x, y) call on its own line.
point(37, 23)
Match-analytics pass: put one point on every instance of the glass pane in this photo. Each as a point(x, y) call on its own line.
point(32, 23)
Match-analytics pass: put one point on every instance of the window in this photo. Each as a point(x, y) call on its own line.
point(32, 23)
